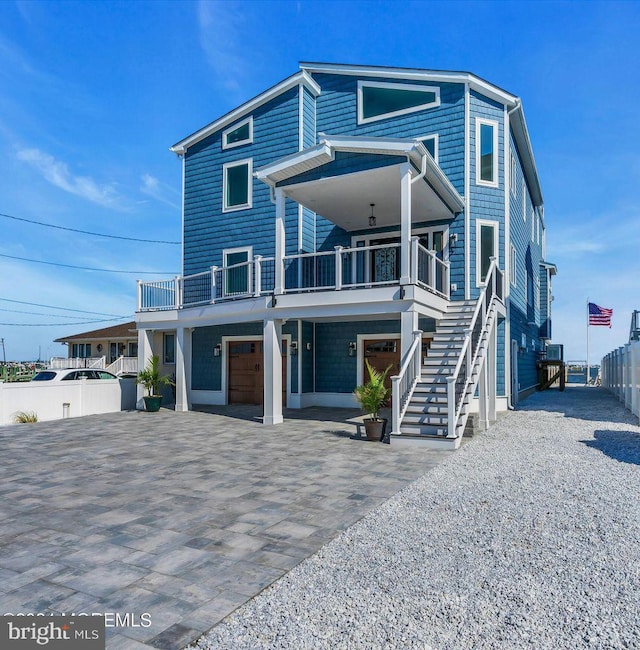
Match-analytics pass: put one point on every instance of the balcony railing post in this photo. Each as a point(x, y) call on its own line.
point(338, 282)
point(451, 407)
point(214, 270)
point(446, 279)
point(414, 259)
point(432, 269)
point(177, 284)
point(258, 272)
point(139, 292)
point(395, 404)
point(469, 354)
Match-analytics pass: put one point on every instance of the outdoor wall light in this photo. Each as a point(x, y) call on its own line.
point(352, 348)
point(453, 238)
point(294, 348)
point(308, 346)
point(217, 350)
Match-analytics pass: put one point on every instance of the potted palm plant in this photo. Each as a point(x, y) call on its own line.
point(152, 380)
point(372, 396)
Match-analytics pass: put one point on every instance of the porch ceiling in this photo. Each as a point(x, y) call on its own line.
point(346, 200)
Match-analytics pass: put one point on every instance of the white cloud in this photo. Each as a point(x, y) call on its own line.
point(57, 173)
point(152, 187)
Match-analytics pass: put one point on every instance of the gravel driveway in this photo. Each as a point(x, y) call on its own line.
point(528, 537)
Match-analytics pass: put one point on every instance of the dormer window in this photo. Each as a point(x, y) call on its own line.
point(379, 100)
point(238, 134)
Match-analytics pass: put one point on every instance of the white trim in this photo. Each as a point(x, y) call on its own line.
point(391, 234)
point(436, 143)
point(300, 118)
point(512, 174)
point(182, 212)
point(513, 276)
point(302, 77)
point(234, 127)
point(480, 122)
point(238, 163)
point(212, 397)
point(508, 155)
point(164, 349)
point(239, 249)
point(467, 194)
point(224, 361)
point(496, 230)
point(395, 86)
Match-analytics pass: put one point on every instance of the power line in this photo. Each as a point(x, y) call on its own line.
point(81, 311)
point(86, 322)
point(41, 313)
point(86, 268)
point(88, 232)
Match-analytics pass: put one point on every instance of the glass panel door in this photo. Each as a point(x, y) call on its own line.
point(385, 262)
point(236, 279)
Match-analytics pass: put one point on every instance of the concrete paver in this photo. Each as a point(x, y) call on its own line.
point(184, 516)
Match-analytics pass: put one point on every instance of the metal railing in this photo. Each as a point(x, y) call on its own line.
point(336, 270)
point(461, 380)
point(405, 381)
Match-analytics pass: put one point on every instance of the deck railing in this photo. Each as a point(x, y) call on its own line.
point(123, 366)
point(336, 270)
point(62, 363)
point(405, 381)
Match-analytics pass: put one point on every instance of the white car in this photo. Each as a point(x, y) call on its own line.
point(72, 374)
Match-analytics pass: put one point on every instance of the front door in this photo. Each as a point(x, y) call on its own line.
point(246, 372)
point(382, 353)
point(113, 352)
point(385, 262)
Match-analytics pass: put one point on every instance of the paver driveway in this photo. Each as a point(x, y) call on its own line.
point(182, 516)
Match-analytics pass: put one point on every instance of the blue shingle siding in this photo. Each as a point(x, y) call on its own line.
point(308, 231)
point(307, 356)
point(309, 119)
point(545, 321)
point(207, 230)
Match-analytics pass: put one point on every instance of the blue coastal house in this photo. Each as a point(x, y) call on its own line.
point(352, 213)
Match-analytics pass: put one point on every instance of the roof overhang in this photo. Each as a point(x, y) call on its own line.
point(301, 78)
point(521, 136)
point(552, 268)
point(345, 198)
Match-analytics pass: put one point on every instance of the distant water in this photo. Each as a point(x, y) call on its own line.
point(579, 376)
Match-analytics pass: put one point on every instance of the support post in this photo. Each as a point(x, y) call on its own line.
point(338, 269)
point(145, 352)
point(492, 352)
point(405, 223)
point(408, 325)
point(183, 368)
point(213, 283)
point(272, 329)
point(280, 243)
point(414, 259)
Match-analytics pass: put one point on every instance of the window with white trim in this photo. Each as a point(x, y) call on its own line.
point(238, 134)
point(169, 348)
point(486, 247)
point(378, 100)
point(486, 152)
point(512, 175)
point(512, 266)
point(237, 184)
point(237, 278)
point(431, 144)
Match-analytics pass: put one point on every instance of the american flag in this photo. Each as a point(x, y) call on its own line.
point(599, 315)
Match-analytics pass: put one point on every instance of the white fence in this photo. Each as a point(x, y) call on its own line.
point(61, 363)
point(57, 400)
point(620, 375)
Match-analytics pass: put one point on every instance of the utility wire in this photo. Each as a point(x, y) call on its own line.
point(86, 322)
point(41, 313)
point(81, 311)
point(88, 232)
point(86, 268)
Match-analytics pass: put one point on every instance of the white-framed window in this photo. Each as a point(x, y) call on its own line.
point(81, 350)
point(378, 100)
point(512, 175)
point(486, 247)
point(513, 276)
point(486, 152)
point(237, 273)
point(524, 202)
point(238, 134)
point(431, 144)
point(237, 185)
point(169, 348)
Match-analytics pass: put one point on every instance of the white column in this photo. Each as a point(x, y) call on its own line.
point(280, 242)
point(272, 371)
point(483, 396)
point(491, 372)
point(405, 223)
point(183, 368)
point(408, 325)
point(145, 352)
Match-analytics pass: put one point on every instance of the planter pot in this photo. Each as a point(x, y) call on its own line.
point(375, 429)
point(152, 403)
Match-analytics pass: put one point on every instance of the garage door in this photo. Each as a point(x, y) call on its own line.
point(246, 372)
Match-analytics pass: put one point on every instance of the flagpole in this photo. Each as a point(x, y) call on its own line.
point(587, 341)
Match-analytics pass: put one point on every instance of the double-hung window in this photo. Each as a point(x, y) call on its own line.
point(237, 185)
point(486, 152)
point(486, 247)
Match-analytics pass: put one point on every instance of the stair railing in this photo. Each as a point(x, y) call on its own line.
point(461, 378)
point(405, 381)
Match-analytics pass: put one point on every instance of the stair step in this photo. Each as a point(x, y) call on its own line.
point(445, 345)
point(431, 362)
point(425, 408)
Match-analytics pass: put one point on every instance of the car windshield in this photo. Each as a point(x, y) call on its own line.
point(44, 376)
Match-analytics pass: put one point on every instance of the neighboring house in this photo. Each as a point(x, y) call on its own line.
point(104, 348)
point(352, 213)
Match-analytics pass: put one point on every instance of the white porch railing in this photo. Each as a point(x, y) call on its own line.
point(123, 365)
point(340, 269)
point(462, 379)
point(405, 381)
point(61, 363)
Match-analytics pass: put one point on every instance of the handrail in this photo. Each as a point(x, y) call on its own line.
point(468, 353)
point(405, 381)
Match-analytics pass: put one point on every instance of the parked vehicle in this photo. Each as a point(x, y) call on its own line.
point(73, 374)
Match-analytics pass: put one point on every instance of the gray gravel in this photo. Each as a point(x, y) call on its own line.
point(528, 537)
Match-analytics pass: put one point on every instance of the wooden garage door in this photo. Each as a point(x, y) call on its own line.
point(246, 372)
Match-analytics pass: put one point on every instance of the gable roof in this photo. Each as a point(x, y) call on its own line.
point(121, 331)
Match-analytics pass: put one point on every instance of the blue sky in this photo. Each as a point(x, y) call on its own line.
point(93, 94)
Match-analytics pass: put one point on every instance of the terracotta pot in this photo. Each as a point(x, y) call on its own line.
point(375, 429)
point(152, 403)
